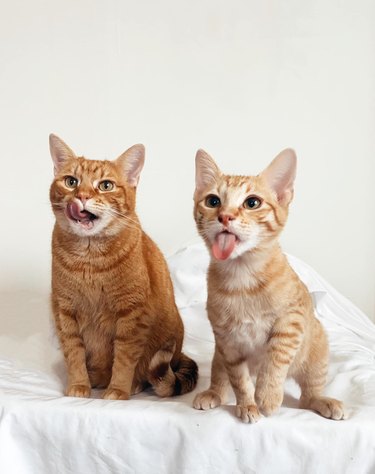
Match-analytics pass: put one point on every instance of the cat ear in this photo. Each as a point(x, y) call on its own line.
point(131, 163)
point(60, 152)
point(280, 175)
point(206, 171)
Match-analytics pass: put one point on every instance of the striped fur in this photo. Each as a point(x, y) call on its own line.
point(112, 296)
point(261, 313)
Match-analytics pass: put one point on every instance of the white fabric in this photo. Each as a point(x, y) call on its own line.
point(41, 431)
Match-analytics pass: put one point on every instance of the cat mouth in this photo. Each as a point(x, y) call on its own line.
point(224, 244)
point(83, 218)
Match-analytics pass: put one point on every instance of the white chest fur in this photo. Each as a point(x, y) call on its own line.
point(241, 318)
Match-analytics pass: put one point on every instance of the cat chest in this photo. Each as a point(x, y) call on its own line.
point(242, 322)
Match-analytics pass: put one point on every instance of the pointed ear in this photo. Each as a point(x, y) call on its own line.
point(60, 152)
point(131, 163)
point(206, 171)
point(280, 175)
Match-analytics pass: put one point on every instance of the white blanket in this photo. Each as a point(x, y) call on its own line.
point(41, 431)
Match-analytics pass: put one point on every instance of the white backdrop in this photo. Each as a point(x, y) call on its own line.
point(241, 78)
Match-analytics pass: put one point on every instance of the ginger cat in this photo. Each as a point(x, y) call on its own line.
point(112, 295)
point(261, 313)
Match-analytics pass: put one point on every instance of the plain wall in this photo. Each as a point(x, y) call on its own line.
point(242, 79)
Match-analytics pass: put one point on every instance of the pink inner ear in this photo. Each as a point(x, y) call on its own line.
point(131, 163)
point(280, 175)
point(206, 170)
point(60, 152)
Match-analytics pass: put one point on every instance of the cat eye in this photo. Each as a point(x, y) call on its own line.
point(252, 202)
point(212, 201)
point(71, 182)
point(106, 185)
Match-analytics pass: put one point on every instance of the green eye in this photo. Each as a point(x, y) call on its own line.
point(252, 202)
point(106, 185)
point(71, 182)
point(212, 201)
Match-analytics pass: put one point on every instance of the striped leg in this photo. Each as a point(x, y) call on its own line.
point(216, 394)
point(284, 342)
point(129, 345)
point(239, 376)
point(74, 354)
point(312, 381)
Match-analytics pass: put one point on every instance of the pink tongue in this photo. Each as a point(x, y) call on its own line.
point(76, 213)
point(223, 245)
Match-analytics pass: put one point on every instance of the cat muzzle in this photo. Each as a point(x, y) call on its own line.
point(80, 216)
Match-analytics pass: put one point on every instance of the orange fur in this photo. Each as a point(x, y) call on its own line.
point(261, 313)
point(112, 296)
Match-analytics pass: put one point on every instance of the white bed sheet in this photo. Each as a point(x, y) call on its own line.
point(41, 431)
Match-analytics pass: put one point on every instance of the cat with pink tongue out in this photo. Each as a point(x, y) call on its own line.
point(261, 313)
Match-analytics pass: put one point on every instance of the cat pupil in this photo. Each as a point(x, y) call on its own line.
point(213, 201)
point(71, 182)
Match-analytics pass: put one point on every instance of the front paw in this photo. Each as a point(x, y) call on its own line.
point(115, 394)
point(206, 400)
point(269, 399)
point(78, 390)
point(248, 413)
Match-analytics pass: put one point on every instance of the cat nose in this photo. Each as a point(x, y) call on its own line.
point(225, 218)
point(83, 197)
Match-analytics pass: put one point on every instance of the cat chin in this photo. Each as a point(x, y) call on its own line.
point(83, 230)
point(100, 228)
point(241, 249)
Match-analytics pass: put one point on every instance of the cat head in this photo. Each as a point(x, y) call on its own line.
point(237, 214)
point(93, 197)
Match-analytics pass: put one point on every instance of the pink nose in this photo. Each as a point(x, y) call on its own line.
point(83, 197)
point(225, 218)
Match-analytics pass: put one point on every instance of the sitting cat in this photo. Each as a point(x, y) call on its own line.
point(112, 295)
point(261, 313)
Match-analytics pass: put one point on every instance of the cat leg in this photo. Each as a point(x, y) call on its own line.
point(284, 341)
point(216, 394)
point(243, 387)
point(74, 354)
point(129, 346)
point(312, 379)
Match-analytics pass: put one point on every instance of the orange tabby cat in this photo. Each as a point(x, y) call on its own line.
point(261, 313)
point(112, 296)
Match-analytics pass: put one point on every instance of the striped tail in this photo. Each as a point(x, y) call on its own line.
point(167, 381)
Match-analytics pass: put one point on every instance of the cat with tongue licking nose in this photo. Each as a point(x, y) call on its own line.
point(261, 313)
point(112, 296)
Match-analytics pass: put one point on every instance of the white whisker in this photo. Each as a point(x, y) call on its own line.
point(131, 223)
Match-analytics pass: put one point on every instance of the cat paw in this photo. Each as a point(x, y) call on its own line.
point(328, 407)
point(206, 400)
point(115, 394)
point(78, 390)
point(248, 413)
point(269, 400)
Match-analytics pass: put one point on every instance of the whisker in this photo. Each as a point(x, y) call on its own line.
point(114, 212)
point(131, 224)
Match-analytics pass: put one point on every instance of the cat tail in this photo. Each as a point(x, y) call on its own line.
point(168, 381)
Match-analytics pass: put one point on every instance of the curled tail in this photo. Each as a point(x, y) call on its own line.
point(167, 381)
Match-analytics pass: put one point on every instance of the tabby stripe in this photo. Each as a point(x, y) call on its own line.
point(275, 214)
point(296, 325)
point(286, 335)
point(261, 285)
point(236, 362)
point(268, 226)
